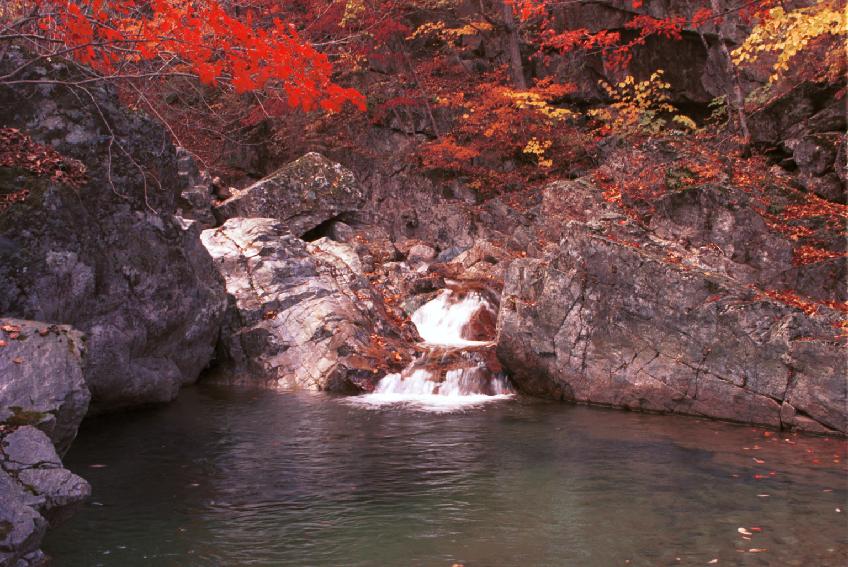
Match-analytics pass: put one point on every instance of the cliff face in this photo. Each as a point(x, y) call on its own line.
point(676, 317)
point(110, 257)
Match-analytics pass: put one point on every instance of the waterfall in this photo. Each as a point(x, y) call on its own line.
point(441, 321)
point(456, 368)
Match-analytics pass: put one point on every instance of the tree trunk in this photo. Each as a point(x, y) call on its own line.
point(515, 65)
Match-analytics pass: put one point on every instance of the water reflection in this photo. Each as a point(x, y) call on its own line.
point(226, 477)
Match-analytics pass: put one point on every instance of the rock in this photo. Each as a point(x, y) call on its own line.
point(482, 261)
point(375, 242)
point(420, 254)
point(450, 253)
point(340, 232)
point(195, 201)
point(813, 154)
point(603, 322)
point(339, 254)
point(302, 195)
point(43, 383)
point(34, 491)
point(296, 319)
point(732, 238)
point(110, 259)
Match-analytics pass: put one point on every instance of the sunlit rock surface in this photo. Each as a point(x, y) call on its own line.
point(302, 195)
point(299, 315)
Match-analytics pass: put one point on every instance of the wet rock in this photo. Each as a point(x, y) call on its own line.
point(297, 319)
point(110, 259)
point(42, 383)
point(302, 195)
point(34, 491)
point(604, 322)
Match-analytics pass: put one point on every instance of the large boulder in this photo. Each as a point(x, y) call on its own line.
point(35, 490)
point(43, 385)
point(108, 257)
point(302, 195)
point(607, 321)
point(299, 315)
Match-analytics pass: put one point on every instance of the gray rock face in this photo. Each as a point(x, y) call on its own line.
point(299, 315)
point(43, 383)
point(301, 195)
point(110, 259)
point(195, 202)
point(34, 490)
point(604, 322)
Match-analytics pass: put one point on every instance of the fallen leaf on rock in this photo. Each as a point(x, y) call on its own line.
point(18, 360)
point(2, 343)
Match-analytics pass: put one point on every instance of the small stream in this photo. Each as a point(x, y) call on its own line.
point(457, 367)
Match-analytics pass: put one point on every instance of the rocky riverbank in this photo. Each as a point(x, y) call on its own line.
point(127, 273)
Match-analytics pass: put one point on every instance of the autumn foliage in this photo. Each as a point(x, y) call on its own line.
point(156, 39)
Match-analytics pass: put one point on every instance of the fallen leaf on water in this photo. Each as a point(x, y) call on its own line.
point(760, 476)
point(763, 495)
point(757, 550)
point(758, 461)
point(743, 531)
point(839, 509)
point(712, 561)
point(756, 529)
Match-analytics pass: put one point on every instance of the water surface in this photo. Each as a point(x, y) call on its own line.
point(240, 477)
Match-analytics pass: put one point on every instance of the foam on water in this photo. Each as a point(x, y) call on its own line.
point(440, 323)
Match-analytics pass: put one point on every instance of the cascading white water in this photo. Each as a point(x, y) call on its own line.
point(442, 323)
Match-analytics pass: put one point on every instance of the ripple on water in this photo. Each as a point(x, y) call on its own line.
point(229, 477)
